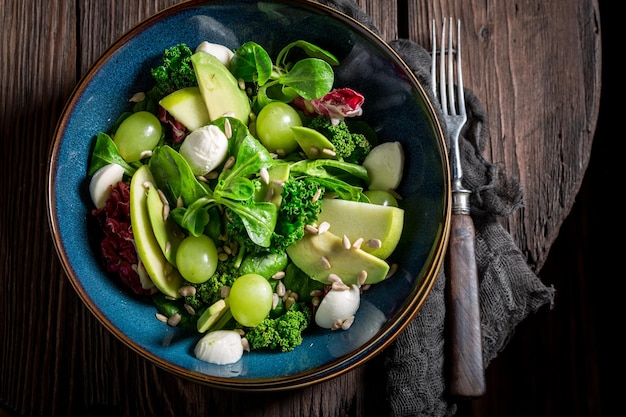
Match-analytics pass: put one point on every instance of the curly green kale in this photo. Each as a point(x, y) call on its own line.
point(209, 291)
point(300, 205)
point(350, 147)
point(283, 332)
point(176, 71)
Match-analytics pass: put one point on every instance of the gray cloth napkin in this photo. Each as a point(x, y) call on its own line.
point(509, 290)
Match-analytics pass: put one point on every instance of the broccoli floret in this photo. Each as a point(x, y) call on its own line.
point(283, 332)
point(209, 291)
point(176, 71)
point(349, 147)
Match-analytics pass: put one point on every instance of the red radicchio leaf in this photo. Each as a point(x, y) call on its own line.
point(339, 104)
point(177, 129)
point(117, 247)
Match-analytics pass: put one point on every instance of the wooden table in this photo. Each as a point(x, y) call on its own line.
point(535, 66)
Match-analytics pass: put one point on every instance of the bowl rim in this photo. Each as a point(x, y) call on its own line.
point(331, 369)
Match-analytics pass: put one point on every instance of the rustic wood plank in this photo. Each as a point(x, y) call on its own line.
point(57, 359)
point(528, 121)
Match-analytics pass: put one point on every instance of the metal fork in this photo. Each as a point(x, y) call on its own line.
point(467, 377)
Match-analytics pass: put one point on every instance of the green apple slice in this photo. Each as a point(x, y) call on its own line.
point(366, 221)
point(385, 166)
point(219, 88)
point(167, 233)
point(187, 106)
point(163, 274)
point(319, 255)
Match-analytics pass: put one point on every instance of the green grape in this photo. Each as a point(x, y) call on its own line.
point(382, 198)
point(196, 258)
point(273, 127)
point(139, 132)
point(250, 299)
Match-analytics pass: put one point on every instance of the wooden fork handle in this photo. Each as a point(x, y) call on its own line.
point(466, 365)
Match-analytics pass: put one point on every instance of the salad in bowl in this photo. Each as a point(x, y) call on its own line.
point(238, 195)
point(251, 197)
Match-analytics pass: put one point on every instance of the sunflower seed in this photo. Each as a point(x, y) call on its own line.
point(339, 286)
point(265, 176)
point(347, 323)
point(289, 302)
point(229, 163)
point(228, 129)
point(325, 262)
point(137, 97)
point(374, 243)
point(162, 197)
point(346, 242)
point(314, 151)
point(329, 152)
point(336, 325)
point(334, 278)
point(245, 344)
point(187, 290)
point(279, 275)
point(362, 277)
point(357, 243)
point(311, 229)
point(317, 195)
point(174, 319)
point(225, 291)
point(323, 227)
point(280, 289)
point(161, 317)
point(190, 309)
point(145, 154)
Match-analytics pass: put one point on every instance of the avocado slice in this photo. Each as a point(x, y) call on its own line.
point(312, 142)
point(307, 254)
point(167, 233)
point(187, 106)
point(219, 88)
point(163, 274)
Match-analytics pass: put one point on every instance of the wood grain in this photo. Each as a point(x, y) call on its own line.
point(467, 372)
point(538, 76)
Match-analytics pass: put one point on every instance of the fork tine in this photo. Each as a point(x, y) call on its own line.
point(450, 75)
point(442, 70)
point(459, 72)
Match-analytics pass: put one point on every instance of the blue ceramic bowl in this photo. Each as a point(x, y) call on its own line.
point(396, 107)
